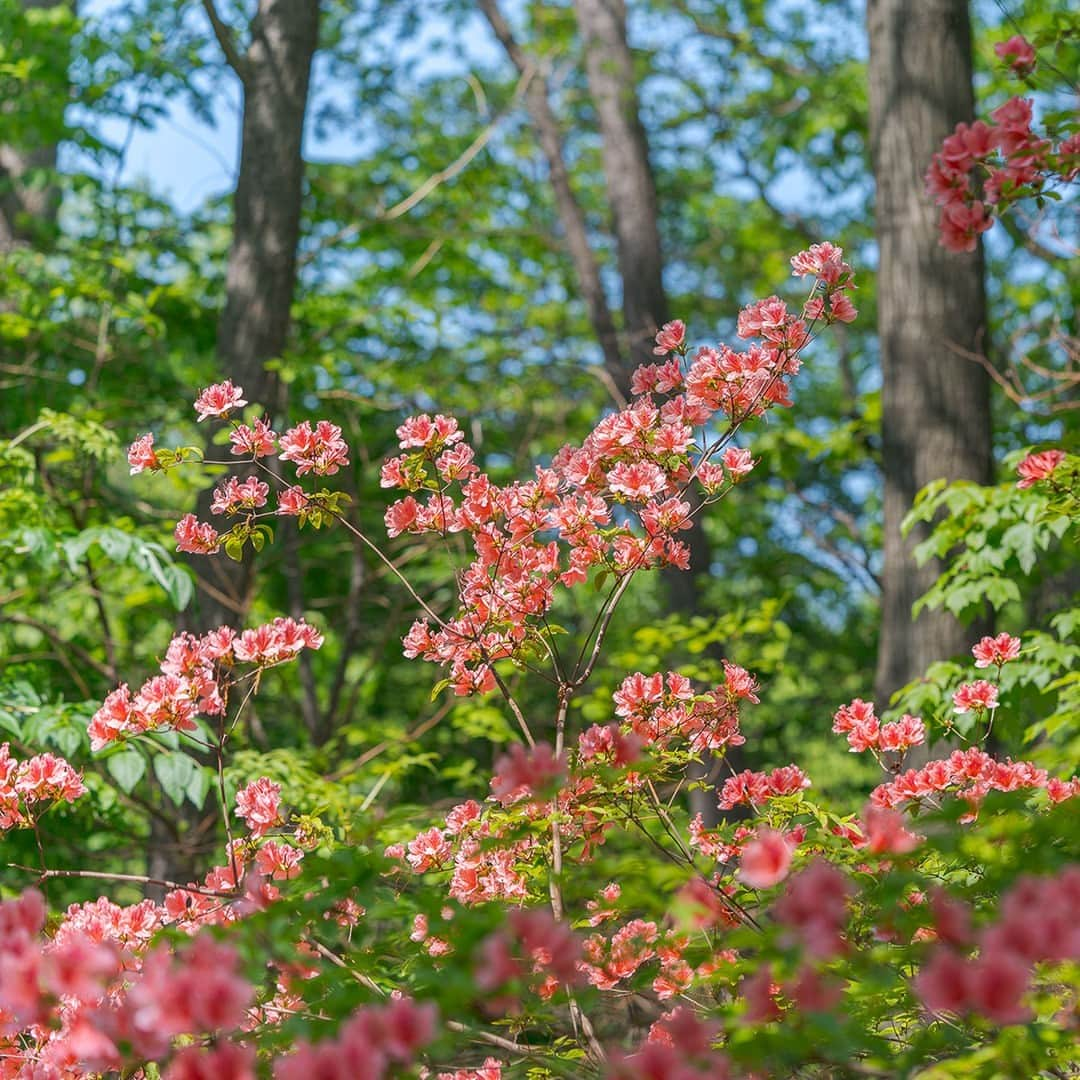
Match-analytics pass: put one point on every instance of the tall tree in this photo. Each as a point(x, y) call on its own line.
point(260, 281)
point(631, 189)
point(274, 71)
point(29, 199)
point(931, 309)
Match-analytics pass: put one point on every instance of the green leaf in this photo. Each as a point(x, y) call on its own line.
point(175, 772)
point(177, 582)
point(199, 786)
point(234, 547)
point(127, 769)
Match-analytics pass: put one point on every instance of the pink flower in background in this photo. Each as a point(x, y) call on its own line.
point(1036, 467)
point(219, 400)
point(1018, 53)
point(671, 338)
point(996, 650)
point(141, 455)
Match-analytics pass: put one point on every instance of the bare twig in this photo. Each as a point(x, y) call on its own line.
point(223, 33)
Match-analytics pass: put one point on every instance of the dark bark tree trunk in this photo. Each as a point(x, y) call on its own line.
point(261, 274)
point(29, 204)
point(571, 215)
point(631, 191)
point(609, 66)
point(935, 402)
point(260, 280)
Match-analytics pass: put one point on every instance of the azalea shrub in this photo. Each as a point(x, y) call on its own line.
point(578, 921)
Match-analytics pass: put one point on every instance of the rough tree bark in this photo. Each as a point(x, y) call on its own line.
point(935, 402)
point(28, 207)
point(274, 71)
point(260, 279)
point(631, 192)
point(571, 215)
point(609, 66)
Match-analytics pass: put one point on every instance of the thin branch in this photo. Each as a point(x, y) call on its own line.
point(223, 33)
point(435, 180)
point(135, 879)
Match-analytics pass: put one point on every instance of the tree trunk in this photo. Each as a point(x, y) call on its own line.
point(28, 205)
point(260, 278)
point(571, 215)
point(935, 402)
point(609, 66)
point(261, 275)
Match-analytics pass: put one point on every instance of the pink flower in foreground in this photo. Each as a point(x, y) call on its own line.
point(996, 982)
point(259, 804)
point(219, 400)
point(1037, 467)
point(942, 984)
point(1017, 53)
point(196, 537)
point(523, 771)
point(671, 338)
point(737, 461)
point(975, 697)
point(765, 860)
point(996, 650)
point(141, 455)
point(255, 441)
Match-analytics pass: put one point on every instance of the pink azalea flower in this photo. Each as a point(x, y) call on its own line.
point(975, 697)
point(1017, 53)
point(141, 455)
point(996, 650)
point(765, 860)
point(219, 400)
point(1036, 467)
point(671, 338)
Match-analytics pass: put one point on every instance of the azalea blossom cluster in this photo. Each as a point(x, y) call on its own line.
point(615, 504)
point(679, 1046)
point(97, 993)
point(1010, 159)
point(970, 774)
point(864, 732)
point(659, 709)
point(194, 679)
point(90, 1004)
point(318, 449)
point(374, 1041)
point(994, 983)
point(1039, 466)
point(27, 785)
